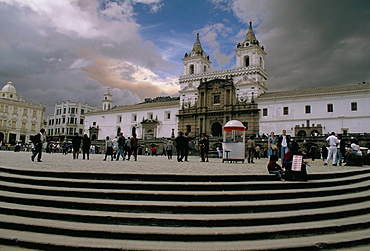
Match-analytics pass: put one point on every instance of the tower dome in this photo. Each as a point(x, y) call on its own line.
point(9, 91)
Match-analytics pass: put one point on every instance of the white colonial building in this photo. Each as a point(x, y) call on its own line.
point(155, 118)
point(19, 120)
point(343, 109)
point(68, 119)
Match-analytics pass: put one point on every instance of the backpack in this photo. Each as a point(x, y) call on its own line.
point(36, 139)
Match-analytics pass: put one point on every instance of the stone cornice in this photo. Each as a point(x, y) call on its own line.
point(223, 74)
point(285, 95)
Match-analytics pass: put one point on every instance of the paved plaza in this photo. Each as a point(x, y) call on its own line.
point(147, 164)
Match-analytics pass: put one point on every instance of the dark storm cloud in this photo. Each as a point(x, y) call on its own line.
point(312, 43)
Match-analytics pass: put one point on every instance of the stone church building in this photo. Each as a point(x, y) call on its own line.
point(209, 99)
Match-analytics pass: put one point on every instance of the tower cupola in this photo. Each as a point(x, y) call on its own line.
point(107, 101)
point(197, 60)
point(249, 53)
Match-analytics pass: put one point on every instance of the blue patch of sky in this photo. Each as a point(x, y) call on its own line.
point(172, 28)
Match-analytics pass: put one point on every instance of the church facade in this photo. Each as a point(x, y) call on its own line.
point(208, 99)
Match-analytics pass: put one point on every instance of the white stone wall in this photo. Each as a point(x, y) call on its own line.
point(342, 118)
point(108, 121)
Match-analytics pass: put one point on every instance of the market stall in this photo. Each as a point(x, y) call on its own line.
point(233, 144)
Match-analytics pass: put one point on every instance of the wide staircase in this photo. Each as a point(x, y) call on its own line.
point(51, 210)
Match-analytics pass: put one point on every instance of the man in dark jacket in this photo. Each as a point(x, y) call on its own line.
point(121, 146)
point(181, 144)
point(37, 141)
point(76, 144)
point(284, 144)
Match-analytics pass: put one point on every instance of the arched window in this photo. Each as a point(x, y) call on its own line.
point(205, 68)
point(118, 131)
point(133, 131)
point(93, 137)
point(191, 69)
point(150, 134)
point(246, 61)
point(216, 129)
point(302, 133)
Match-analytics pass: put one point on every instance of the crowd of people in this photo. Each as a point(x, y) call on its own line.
point(281, 147)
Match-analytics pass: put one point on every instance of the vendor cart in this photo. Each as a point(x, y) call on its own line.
point(233, 144)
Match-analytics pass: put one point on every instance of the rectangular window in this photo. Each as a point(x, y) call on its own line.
point(216, 99)
point(308, 109)
point(119, 119)
point(34, 114)
point(64, 110)
point(330, 108)
point(188, 128)
point(23, 125)
point(82, 111)
point(167, 115)
point(150, 115)
point(25, 112)
point(94, 123)
point(285, 110)
point(133, 117)
point(64, 120)
point(354, 106)
point(81, 121)
point(264, 112)
point(246, 125)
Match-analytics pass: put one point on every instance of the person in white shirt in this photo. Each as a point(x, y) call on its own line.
point(332, 142)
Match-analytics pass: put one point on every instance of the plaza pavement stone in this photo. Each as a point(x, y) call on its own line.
point(149, 164)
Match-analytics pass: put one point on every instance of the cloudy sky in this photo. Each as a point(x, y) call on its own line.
point(75, 49)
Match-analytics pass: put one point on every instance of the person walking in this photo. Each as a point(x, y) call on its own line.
point(38, 141)
point(283, 144)
point(134, 146)
point(169, 149)
point(202, 145)
point(180, 146)
point(128, 148)
point(272, 145)
point(108, 148)
point(121, 141)
point(332, 142)
point(186, 150)
point(251, 146)
point(86, 145)
point(76, 144)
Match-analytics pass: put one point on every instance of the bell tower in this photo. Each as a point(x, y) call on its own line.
point(107, 101)
point(250, 58)
point(196, 61)
point(249, 52)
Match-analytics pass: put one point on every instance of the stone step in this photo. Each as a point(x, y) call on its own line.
point(165, 233)
point(62, 242)
point(180, 207)
point(354, 185)
point(52, 210)
point(187, 220)
point(105, 176)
